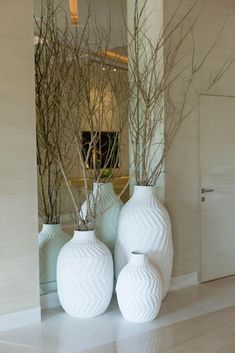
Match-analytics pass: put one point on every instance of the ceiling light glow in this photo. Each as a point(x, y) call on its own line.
point(73, 7)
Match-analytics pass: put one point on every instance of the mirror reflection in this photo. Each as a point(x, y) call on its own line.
point(81, 111)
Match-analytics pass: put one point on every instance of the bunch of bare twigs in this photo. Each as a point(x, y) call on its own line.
point(51, 73)
point(80, 112)
point(162, 71)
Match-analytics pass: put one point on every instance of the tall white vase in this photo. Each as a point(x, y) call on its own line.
point(139, 289)
point(108, 208)
point(85, 275)
point(144, 225)
point(51, 239)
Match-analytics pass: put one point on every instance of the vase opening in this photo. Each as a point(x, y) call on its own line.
point(49, 226)
point(84, 236)
point(103, 187)
point(143, 191)
point(138, 258)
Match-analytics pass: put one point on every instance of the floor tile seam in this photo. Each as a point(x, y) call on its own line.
point(218, 308)
point(171, 350)
point(28, 346)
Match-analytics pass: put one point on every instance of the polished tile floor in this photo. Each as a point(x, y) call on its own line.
point(192, 320)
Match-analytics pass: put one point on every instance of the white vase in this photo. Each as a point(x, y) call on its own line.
point(144, 225)
point(108, 208)
point(84, 275)
point(51, 239)
point(139, 289)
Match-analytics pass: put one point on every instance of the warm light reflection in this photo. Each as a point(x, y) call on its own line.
point(114, 56)
point(73, 6)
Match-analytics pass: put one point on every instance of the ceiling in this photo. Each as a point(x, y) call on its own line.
point(105, 12)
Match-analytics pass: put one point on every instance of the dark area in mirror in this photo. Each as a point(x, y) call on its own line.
point(106, 153)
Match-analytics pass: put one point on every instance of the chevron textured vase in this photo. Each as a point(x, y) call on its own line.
point(108, 210)
point(139, 289)
point(144, 226)
point(51, 240)
point(85, 275)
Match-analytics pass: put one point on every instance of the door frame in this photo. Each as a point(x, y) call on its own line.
point(199, 187)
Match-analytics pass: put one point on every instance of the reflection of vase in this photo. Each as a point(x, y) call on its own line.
point(139, 289)
point(144, 342)
point(144, 225)
point(85, 275)
point(51, 240)
point(108, 208)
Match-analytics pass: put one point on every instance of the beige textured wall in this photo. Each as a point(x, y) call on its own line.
point(19, 288)
point(182, 162)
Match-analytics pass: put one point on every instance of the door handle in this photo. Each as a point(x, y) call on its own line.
point(203, 190)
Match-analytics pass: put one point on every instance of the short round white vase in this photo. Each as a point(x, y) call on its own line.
point(51, 239)
point(144, 225)
point(108, 207)
point(139, 289)
point(84, 275)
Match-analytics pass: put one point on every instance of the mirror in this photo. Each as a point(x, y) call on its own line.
point(100, 101)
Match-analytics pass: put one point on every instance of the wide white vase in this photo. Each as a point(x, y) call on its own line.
point(85, 275)
point(144, 225)
point(108, 207)
point(51, 239)
point(139, 289)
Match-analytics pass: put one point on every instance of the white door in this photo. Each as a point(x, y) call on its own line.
point(217, 162)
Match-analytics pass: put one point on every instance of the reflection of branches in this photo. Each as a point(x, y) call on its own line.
point(97, 111)
point(78, 95)
point(159, 70)
point(51, 55)
point(103, 111)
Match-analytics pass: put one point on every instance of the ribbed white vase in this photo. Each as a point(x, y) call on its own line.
point(108, 208)
point(85, 275)
point(139, 289)
point(51, 239)
point(144, 225)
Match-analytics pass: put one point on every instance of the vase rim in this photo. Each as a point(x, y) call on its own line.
point(144, 186)
point(138, 259)
point(102, 183)
point(103, 187)
point(51, 224)
point(84, 236)
point(84, 231)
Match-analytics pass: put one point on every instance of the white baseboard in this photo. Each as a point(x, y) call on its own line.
point(190, 279)
point(50, 300)
point(20, 319)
